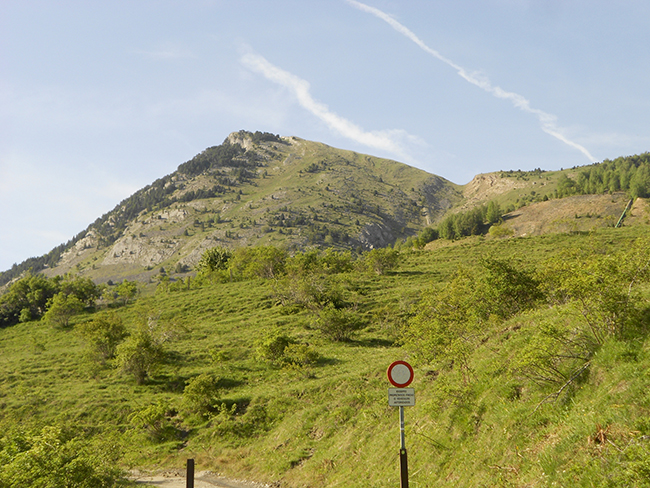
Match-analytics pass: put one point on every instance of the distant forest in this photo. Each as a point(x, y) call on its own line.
point(630, 174)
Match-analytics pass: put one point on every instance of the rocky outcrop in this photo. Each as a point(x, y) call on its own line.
point(376, 235)
point(242, 138)
point(143, 251)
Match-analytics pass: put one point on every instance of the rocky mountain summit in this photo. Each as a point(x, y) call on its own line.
point(259, 189)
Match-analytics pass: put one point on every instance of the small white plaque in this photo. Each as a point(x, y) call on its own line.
point(401, 397)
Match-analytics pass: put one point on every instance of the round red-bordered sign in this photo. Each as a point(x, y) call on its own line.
point(400, 374)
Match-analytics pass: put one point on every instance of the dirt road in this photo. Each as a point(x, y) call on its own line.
point(202, 479)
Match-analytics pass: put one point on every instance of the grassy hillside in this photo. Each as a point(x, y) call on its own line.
point(542, 384)
point(254, 189)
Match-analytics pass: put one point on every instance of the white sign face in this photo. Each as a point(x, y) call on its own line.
point(400, 374)
point(401, 397)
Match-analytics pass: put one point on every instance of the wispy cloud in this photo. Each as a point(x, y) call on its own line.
point(168, 52)
point(387, 140)
point(548, 122)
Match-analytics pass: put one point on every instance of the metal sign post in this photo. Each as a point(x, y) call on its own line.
point(400, 374)
point(403, 458)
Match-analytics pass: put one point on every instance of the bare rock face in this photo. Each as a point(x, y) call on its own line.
point(89, 241)
point(375, 236)
point(142, 246)
point(241, 138)
point(144, 251)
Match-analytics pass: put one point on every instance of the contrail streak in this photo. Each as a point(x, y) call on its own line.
point(385, 140)
point(547, 121)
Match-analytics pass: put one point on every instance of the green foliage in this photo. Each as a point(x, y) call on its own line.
point(600, 286)
point(630, 174)
point(27, 298)
point(338, 324)
point(493, 213)
point(127, 291)
point(500, 230)
point(155, 420)
point(143, 352)
point(103, 334)
point(84, 289)
point(51, 458)
point(451, 321)
point(282, 350)
point(61, 308)
point(215, 258)
point(381, 260)
point(201, 395)
point(462, 224)
point(258, 262)
point(513, 389)
point(271, 348)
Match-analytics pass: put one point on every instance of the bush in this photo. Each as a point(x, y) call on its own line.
point(52, 458)
point(215, 258)
point(282, 350)
point(338, 324)
point(155, 421)
point(103, 334)
point(61, 308)
point(201, 395)
point(380, 260)
point(142, 353)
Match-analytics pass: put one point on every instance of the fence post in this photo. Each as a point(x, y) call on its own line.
point(189, 477)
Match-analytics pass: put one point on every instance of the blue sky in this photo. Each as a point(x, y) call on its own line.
point(98, 99)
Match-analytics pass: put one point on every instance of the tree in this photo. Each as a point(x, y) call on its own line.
point(380, 260)
point(143, 352)
point(82, 288)
point(61, 308)
point(103, 334)
point(27, 299)
point(493, 213)
point(213, 259)
point(127, 290)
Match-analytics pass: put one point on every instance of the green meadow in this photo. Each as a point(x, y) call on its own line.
point(531, 360)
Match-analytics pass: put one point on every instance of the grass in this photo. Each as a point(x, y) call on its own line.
point(329, 425)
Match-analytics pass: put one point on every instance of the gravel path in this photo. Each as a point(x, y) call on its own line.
point(202, 479)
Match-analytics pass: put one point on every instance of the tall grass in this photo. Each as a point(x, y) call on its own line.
point(328, 424)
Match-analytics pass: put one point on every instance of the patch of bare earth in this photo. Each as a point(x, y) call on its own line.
point(202, 479)
point(573, 214)
point(484, 187)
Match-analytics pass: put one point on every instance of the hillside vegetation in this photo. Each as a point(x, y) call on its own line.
point(253, 189)
point(243, 310)
point(263, 189)
point(530, 357)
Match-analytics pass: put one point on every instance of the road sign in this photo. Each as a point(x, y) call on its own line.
point(400, 374)
point(401, 397)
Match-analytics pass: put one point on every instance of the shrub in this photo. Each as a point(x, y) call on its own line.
point(155, 420)
point(380, 260)
point(103, 334)
point(215, 258)
point(61, 308)
point(338, 324)
point(142, 353)
point(272, 347)
point(282, 350)
point(201, 395)
point(52, 458)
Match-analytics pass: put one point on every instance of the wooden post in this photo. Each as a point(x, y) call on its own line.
point(189, 477)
